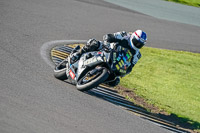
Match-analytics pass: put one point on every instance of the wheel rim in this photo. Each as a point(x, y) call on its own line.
point(89, 77)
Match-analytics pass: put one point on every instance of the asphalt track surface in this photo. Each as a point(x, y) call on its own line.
point(32, 100)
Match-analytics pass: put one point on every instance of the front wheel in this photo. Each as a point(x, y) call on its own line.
point(92, 79)
point(60, 71)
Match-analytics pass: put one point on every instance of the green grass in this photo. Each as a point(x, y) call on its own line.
point(195, 3)
point(168, 79)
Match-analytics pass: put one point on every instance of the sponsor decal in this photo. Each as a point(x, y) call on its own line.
point(117, 66)
point(104, 59)
point(99, 52)
point(114, 57)
point(71, 74)
point(122, 71)
point(125, 67)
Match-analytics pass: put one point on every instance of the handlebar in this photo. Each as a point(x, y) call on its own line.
point(107, 49)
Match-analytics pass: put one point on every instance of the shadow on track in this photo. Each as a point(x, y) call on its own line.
point(171, 122)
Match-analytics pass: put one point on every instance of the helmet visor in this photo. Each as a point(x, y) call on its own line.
point(137, 43)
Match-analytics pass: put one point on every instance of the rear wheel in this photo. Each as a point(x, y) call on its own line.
point(92, 79)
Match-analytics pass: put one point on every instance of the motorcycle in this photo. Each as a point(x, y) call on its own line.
point(93, 68)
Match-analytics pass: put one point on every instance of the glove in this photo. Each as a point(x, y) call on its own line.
point(109, 38)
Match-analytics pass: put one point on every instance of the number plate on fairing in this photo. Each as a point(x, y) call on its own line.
point(93, 61)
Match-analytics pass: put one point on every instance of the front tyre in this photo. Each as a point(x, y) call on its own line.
point(90, 81)
point(60, 71)
point(60, 74)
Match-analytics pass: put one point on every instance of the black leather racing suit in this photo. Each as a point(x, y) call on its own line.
point(121, 39)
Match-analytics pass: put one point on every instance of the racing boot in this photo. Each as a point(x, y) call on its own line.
point(76, 49)
point(91, 45)
point(114, 82)
point(76, 54)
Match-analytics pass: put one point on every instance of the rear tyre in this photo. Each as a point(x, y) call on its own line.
point(89, 82)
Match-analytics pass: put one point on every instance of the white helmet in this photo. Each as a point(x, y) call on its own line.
point(138, 39)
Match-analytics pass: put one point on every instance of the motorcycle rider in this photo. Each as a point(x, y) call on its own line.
point(121, 41)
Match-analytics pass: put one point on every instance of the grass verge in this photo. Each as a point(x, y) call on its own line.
point(195, 3)
point(169, 80)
